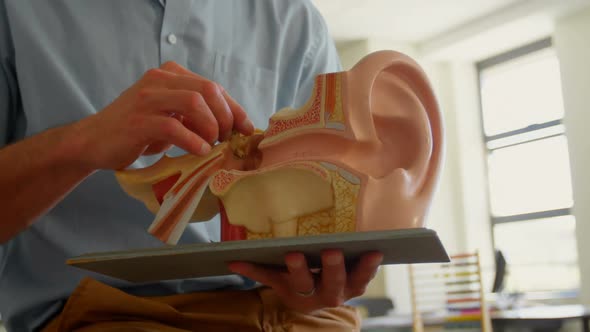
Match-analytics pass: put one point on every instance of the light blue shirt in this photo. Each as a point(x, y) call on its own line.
point(61, 61)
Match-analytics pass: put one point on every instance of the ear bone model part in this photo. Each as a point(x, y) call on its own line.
point(364, 153)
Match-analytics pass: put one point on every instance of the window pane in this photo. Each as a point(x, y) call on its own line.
point(530, 177)
point(546, 260)
point(525, 137)
point(521, 92)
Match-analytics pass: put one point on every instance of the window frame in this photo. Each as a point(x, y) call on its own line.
point(480, 67)
point(491, 62)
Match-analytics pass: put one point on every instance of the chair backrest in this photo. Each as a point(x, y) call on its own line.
point(500, 276)
point(450, 295)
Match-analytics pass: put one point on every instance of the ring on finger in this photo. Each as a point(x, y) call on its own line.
point(307, 294)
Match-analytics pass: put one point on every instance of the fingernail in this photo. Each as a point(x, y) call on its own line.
point(225, 136)
point(296, 263)
point(205, 148)
point(248, 125)
point(334, 260)
point(377, 260)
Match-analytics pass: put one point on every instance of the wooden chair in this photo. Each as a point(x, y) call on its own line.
point(450, 296)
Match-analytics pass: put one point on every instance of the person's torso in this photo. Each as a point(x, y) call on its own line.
point(72, 59)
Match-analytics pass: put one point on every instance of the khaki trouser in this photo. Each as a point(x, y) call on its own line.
point(95, 306)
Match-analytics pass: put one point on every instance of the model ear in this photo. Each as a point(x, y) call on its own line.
point(404, 114)
point(406, 123)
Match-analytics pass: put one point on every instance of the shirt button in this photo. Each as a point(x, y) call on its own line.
point(172, 38)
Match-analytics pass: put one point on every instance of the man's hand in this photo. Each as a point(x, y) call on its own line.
point(304, 291)
point(167, 106)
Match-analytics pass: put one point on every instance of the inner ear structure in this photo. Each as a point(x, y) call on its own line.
point(363, 154)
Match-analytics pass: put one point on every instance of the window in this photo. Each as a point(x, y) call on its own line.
point(530, 192)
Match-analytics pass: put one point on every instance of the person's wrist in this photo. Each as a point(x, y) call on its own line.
point(75, 148)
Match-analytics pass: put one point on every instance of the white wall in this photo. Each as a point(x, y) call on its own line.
point(572, 36)
point(446, 215)
point(351, 52)
point(471, 160)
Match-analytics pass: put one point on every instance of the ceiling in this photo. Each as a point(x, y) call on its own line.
point(445, 29)
point(410, 21)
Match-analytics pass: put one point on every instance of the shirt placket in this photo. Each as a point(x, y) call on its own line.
point(176, 18)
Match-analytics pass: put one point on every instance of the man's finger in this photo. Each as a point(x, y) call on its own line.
point(363, 273)
point(176, 68)
point(211, 91)
point(300, 279)
point(218, 105)
point(241, 122)
point(190, 105)
point(333, 278)
point(265, 276)
point(156, 148)
point(212, 95)
point(159, 147)
point(166, 129)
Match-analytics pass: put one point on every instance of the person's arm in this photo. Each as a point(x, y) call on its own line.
point(35, 174)
point(166, 106)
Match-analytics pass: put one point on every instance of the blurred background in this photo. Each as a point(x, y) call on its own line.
point(513, 81)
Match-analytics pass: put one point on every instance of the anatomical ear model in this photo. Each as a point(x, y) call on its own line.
point(362, 154)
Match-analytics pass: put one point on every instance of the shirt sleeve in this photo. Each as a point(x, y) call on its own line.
point(12, 121)
point(321, 57)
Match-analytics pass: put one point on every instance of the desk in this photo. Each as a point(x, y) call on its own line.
point(538, 318)
point(395, 322)
point(542, 318)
